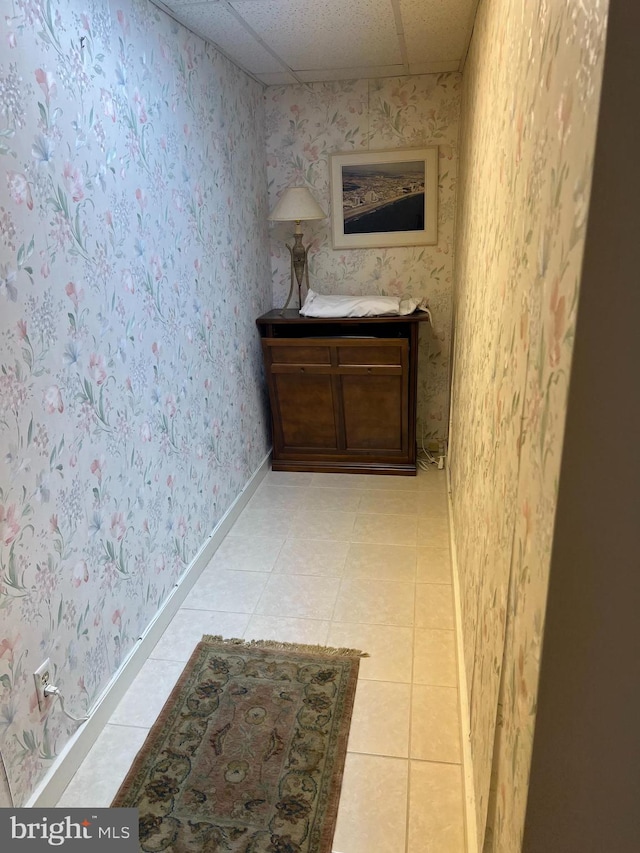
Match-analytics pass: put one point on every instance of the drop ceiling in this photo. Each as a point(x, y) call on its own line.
point(304, 41)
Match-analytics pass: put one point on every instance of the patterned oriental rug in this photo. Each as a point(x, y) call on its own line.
point(248, 752)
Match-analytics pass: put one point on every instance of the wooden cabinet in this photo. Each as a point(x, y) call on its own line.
point(342, 392)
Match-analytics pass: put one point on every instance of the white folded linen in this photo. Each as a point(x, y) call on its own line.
point(321, 305)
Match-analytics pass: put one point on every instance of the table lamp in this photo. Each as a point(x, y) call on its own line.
point(294, 205)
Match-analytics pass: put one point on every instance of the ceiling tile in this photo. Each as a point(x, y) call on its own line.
point(308, 34)
point(437, 30)
point(216, 24)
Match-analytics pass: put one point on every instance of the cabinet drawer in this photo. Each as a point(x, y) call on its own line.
point(374, 353)
point(288, 353)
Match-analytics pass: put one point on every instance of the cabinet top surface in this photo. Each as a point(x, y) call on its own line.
point(292, 315)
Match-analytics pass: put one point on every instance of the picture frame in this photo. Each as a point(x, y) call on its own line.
point(384, 198)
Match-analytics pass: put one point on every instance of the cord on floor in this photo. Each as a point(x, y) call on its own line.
point(430, 460)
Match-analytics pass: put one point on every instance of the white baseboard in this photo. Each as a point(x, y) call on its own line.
point(471, 830)
point(71, 757)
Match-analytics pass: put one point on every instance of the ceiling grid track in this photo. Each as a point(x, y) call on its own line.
point(397, 14)
point(230, 9)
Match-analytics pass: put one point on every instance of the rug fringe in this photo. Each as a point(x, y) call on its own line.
point(293, 647)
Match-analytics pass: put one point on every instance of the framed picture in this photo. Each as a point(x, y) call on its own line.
point(384, 198)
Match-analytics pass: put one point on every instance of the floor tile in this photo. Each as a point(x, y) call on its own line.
point(389, 648)
point(386, 529)
point(271, 496)
point(390, 482)
point(287, 629)
point(308, 524)
point(339, 481)
point(434, 606)
point(434, 565)
point(372, 812)
point(301, 596)
point(433, 502)
point(288, 478)
point(98, 778)
point(150, 689)
point(435, 724)
point(262, 522)
point(334, 499)
point(432, 479)
point(375, 602)
point(235, 592)
point(187, 628)
point(248, 553)
point(380, 722)
point(434, 657)
point(312, 557)
point(436, 810)
point(433, 531)
point(381, 562)
point(391, 502)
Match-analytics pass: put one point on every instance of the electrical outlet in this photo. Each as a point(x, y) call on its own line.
point(42, 678)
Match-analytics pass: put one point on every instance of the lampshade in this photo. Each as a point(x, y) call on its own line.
point(295, 204)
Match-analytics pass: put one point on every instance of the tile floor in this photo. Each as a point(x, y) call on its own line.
point(343, 560)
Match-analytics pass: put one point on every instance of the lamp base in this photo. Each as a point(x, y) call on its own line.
point(299, 267)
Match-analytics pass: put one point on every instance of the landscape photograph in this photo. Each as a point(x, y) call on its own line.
point(382, 197)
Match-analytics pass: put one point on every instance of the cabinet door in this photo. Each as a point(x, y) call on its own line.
point(305, 406)
point(374, 396)
point(303, 400)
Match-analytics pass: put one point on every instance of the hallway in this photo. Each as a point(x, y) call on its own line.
point(341, 560)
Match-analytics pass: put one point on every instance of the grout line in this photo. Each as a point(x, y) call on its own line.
point(316, 618)
point(411, 696)
point(335, 603)
point(277, 557)
point(342, 574)
point(326, 636)
point(439, 761)
point(380, 755)
point(408, 759)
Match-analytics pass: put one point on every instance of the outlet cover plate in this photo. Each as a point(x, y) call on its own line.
point(42, 677)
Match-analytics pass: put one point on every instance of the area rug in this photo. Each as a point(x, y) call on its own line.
point(248, 752)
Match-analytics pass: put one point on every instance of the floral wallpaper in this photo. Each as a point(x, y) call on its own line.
point(529, 110)
point(133, 263)
point(305, 124)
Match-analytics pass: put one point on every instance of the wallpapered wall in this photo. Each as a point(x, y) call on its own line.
point(134, 260)
point(305, 124)
point(531, 89)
